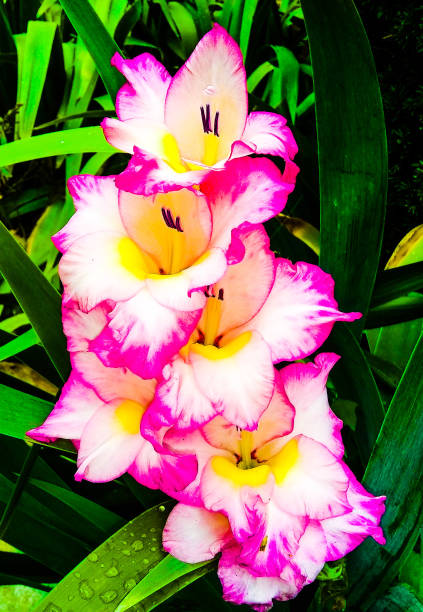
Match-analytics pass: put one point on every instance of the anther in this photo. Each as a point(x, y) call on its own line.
point(178, 224)
point(216, 124)
point(205, 118)
point(165, 217)
point(220, 296)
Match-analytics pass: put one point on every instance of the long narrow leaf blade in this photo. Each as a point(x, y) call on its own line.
point(352, 149)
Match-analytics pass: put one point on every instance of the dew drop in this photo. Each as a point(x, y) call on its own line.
point(153, 548)
point(126, 552)
point(132, 534)
point(130, 584)
point(210, 90)
point(137, 545)
point(85, 590)
point(162, 508)
point(77, 575)
point(108, 596)
point(113, 570)
point(53, 608)
point(93, 557)
point(144, 535)
point(70, 597)
point(153, 529)
point(146, 561)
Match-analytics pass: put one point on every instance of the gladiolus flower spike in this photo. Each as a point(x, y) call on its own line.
point(176, 312)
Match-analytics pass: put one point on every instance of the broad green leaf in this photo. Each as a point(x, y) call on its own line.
point(37, 298)
point(166, 572)
point(246, 24)
point(302, 230)
point(98, 41)
point(352, 150)
point(26, 596)
point(34, 51)
point(80, 140)
point(186, 27)
point(397, 282)
point(203, 19)
point(409, 250)
point(20, 411)
point(96, 162)
point(397, 311)
point(103, 579)
point(19, 344)
point(400, 598)
point(394, 470)
point(412, 573)
point(12, 323)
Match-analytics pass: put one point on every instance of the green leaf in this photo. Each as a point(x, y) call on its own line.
point(412, 572)
point(394, 470)
point(185, 25)
point(103, 579)
point(246, 25)
point(258, 75)
point(37, 298)
point(398, 311)
point(20, 411)
point(79, 140)
point(19, 344)
point(98, 41)
point(399, 598)
point(169, 570)
point(352, 150)
point(285, 80)
point(34, 50)
point(203, 17)
point(397, 282)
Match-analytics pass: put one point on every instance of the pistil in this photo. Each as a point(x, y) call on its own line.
point(212, 314)
point(246, 446)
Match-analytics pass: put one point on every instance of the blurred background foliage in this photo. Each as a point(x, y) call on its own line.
point(50, 83)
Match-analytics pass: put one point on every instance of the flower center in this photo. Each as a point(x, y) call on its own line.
point(211, 136)
point(246, 447)
point(212, 314)
point(128, 414)
point(173, 242)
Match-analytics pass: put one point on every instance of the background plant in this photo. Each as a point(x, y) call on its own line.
point(56, 83)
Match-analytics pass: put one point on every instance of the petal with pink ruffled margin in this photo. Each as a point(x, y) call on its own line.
point(92, 271)
point(268, 134)
point(106, 450)
point(112, 383)
point(183, 290)
point(245, 285)
point(146, 173)
point(241, 495)
point(96, 202)
point(144, 94)
point(163, 471)
point(194, 534)
point(346, 532)
point(300, 311)
point(213, 75)
point(67, 420)
point(305, 387)
point(248, 189)
point(186, 242)
point(242, 586)
point(81, 327)
point(309, 558)
point(310, 481)
point(148, 334)
point(238, 378)
point(179, 400)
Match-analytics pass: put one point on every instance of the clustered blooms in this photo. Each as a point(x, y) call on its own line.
point(176, 312)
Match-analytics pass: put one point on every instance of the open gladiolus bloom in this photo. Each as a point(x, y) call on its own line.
point(176, 312)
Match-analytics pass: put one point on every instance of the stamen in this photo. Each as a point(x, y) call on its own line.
point(220, 296)
point(263, 543)
point(216, 124)
point(205, 118)
point(168, 219)
point(178, 224)
point(165, 218)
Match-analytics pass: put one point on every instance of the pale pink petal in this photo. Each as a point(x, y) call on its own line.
point(242, 586)
point(248, 189)
point(96, 203)
point(194, 534)
point(238, 378)
point(309, 557)
point(346, 532)
point(147, 334)
point(245, 286)
point(81, 327)
point(70, 415)
point(163, 471)
point(300, 311)
point(144, 94)
point(305, 386)
point(128, 135)
point(267, 133)
point(147, 222)
point(214, 76)
point(106, 450)
point(310, 481)
point(92, 271)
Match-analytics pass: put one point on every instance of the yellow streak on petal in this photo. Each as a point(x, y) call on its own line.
point(286, 459)
point(213, 353)
point(171, 153)
point(211, 145)
point(212, 314)
point(128, 415)
point(254, 477)
point(132, 258)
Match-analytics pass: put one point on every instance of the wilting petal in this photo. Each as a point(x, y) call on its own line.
point(242, 586)
point(267, 133)
point(310, 481)
point(194, 534)
point(174, 228)
point(247, 189)
point(245, 285)
point(148, 334)
point(213, 76)
point(300, 311)
point(346, 532)
point(305, 386)
point(144, 94)
point(95, 200)
point(70, 415)
point(238, 378)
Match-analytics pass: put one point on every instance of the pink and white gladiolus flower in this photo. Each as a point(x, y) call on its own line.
point(262, 311)
point(149, 258)
point(278, 502)
point(184, 127)
point(100, 409)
